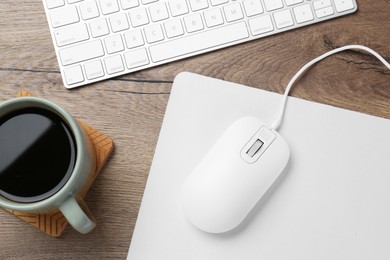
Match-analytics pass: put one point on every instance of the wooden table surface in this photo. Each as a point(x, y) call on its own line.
point(130, 109)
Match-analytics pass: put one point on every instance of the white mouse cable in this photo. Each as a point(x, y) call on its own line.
point(278, 121)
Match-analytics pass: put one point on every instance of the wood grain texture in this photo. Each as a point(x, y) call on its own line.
point(130, 109)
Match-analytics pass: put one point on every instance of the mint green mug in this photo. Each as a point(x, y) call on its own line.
point(46, 159)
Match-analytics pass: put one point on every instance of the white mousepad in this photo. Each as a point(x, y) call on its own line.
point(332, 203)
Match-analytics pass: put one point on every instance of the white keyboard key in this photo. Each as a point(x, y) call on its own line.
point(138, 17)
point(303, 13)
point(119, 22)
point(99, 27)
point(94, 69)
point(343, 5)
point(109, 6)
point(193, 23)
point(283, 19)
point(114, 44)
point(81, 52)
point(173, 28)
point(324, 12)
point(73, 75)
point(218, 2)
point(253, 7)
point(71, 34)
point(197, 5)
point(64, 16)
point(158, 12)
point(54, 3)
point(73, 1)
point(178, 7)
point(154, 33)
point(321, 4)
point(260, 25)
point(136, 58)
point(293, 2)
point(127, 4)
point(200, 41)
point(271, 5)
point(133, 38)
point(213, 17)
point(145, 2)
point(89, 10)
point(233, 12)
point(114, 64)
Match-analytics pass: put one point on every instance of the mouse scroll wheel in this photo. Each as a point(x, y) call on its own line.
point(255, 148)
point(257, 145)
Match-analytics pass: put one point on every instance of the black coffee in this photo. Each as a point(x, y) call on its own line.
point(37, 154)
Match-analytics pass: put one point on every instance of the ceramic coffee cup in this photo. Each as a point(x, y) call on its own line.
point(20, 194)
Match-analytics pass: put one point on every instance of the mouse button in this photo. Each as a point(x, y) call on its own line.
point(257, 145)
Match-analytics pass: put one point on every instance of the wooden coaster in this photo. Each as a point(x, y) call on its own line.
point(54, 223)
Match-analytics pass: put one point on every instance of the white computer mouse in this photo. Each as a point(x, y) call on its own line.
point(234, 175)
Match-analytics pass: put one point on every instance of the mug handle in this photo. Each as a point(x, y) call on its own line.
point(76, 216)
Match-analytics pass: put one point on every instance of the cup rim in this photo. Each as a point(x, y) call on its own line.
point(65, 191)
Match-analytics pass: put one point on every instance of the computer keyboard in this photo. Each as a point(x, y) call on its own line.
point(97, 40)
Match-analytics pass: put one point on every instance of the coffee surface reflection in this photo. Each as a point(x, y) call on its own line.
point(37, 154)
